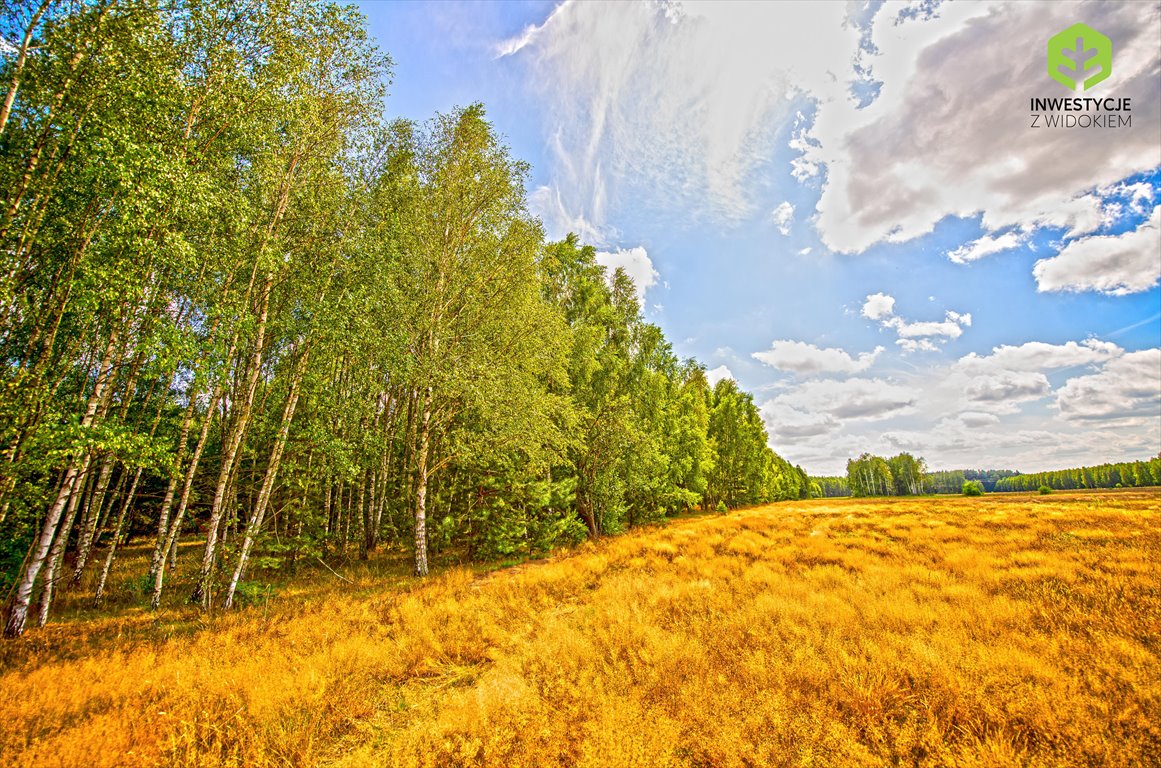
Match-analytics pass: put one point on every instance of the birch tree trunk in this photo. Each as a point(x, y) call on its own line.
point(263, 502)
point(16, 608)
point(231, 444)
point(56, 555)
point(421, 457)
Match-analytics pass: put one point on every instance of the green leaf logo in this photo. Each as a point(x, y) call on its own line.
point(1079, 57)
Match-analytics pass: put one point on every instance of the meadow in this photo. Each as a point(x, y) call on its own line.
point(1007, 630)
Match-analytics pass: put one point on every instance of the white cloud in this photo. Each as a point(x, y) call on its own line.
point(676, 105)
point(1007, 387)
point(546, 203)
point(878, 306)
point(947, 135)
point(854, 398)
point(637, 265)
point(1126, 388)
point(802, 358)
point(976, 419)
point(916, 345)
point(805, 251)
point(996, 409)
point(714, 375)
point(951, 327)
point(1113, 264)
point(918, 336)
point(985, 246)
point(782, 216)
point(787, 424)
point(1039, 356)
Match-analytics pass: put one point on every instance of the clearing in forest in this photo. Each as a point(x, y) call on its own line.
point(1005, 630)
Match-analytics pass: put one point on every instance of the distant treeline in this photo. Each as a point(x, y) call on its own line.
point(1130, 474)
point(830, 487)
point(903, 475)
point(951, 481)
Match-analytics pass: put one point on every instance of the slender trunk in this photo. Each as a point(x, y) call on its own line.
point(345, 520)
point(421, 568)
point(16, 608)
point(170, 493)
point(259, 511)
point(231, 444)
point(99, 594)
point(91, 521)
point(328, 510)
point(18, 66)
point(57, 554)
point(366, 503)
point(169, 548)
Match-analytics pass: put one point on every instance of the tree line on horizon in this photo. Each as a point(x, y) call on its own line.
point(1125, 474)
point(903, 475)
point(238, 304)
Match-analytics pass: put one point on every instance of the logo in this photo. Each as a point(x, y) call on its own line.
point(1079, 57)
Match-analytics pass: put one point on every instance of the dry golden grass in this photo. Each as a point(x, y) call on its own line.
point(1000, 631)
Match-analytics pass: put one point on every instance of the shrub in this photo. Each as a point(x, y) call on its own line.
point(1045, 490)
point(973, 488)
point(722, 508)
point(252, 593)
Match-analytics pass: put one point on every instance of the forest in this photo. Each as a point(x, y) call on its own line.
point(1129, 474)
point(904, 475)
point(238, 304)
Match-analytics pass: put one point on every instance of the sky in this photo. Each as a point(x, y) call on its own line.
point(845, 206)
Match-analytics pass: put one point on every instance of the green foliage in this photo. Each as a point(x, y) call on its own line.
point(251, 593)
point(973, 488)
point(830, 487)
point(1129, 474)
point(1045, 490)
point(721, 508)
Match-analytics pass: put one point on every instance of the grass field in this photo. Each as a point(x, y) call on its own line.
point(1008, 630)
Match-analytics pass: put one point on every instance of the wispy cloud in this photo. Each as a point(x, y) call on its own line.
point(985, 246)
point(677, 105)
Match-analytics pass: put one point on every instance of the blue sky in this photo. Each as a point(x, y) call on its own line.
point(843, 206)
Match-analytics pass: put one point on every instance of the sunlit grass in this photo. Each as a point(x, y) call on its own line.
point(998, 631)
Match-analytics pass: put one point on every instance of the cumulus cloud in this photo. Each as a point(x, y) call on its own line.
point(976, 419)
point(1112, 264)
point(637, 265)
point(1126, 388)
point(1039, 356)
point(714, 375)
point(951, 327)
point(854, 398)
point(985, 246)
point(920, 336)
point(1008, 387)
point(878, 306)
point(787, 424)
point(943, 137)
point(802, 358)
point(782, 216)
